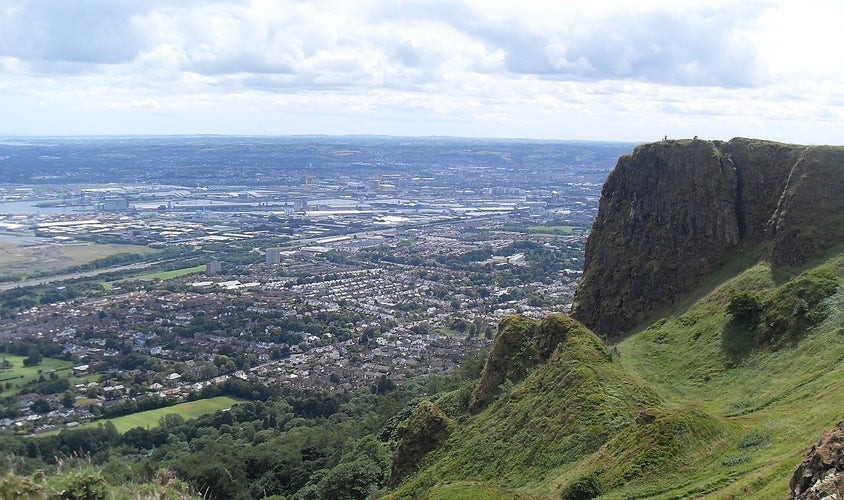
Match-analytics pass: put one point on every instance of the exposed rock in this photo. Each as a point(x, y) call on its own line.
point(646, 417)
point(521, 344)
point(821, 475)
point(671, 213)
point(427, 429)
point(810, 212)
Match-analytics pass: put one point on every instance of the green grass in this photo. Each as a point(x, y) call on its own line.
point(473, 490)
point(561, 413)
point(150, 418)
point(680, 409)
point(176, 273)
point(85, 379)
point(19, 374)
point(779, 398)
point(158, 276)
point(552, 229)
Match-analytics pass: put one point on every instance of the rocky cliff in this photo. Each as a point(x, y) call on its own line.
point(672, 212)
point(821, 474)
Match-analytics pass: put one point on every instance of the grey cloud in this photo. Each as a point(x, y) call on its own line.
point(680, 47)
point(407, 54)
point(85, 32)
point(692, 45)
point(65, 35)
point(240, 63)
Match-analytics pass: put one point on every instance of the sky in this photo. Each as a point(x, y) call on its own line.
point(573, 70)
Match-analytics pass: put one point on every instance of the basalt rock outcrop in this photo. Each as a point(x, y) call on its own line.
point(821, 474)
point(426, 429)
point(672, 212)
point(521, 344)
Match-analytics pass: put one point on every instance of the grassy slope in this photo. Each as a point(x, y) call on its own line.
point(728, 420)
point(782, 397)
point(565, 410)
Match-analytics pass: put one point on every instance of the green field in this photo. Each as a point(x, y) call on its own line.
point(149, 419)
point(19, 375)
point(552, 229)
point(176, 273)
point(160, 275)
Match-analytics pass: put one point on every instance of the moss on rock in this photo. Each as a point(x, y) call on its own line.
point(521, 344)
point(426, 430)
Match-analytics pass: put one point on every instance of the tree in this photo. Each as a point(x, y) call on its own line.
point(68, 399)
point(34, 357)
point(473, 331)
point(351, 480)
point(40, 405)
point(384, 385)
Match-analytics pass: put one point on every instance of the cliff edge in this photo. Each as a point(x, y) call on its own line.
point(672, 212)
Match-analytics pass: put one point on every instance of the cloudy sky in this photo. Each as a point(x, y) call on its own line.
point(593, 69)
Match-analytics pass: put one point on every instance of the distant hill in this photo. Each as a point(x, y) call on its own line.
point(722, 265)
point(272, 161)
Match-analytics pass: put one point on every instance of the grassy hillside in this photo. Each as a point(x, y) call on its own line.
point(696, 405)
point(565, 410)
point(780, 396)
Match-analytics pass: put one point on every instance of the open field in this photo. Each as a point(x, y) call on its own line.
point(552, 229)
point(19, 375)
point(22, 260)
point(167, 275)
point(149, 419)
point(160, 276)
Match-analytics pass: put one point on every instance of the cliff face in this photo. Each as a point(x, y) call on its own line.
point(673, 212)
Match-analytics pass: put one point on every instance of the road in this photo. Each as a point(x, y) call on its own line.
point(87, 274)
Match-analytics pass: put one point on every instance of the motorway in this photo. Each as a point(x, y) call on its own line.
point(87, 274)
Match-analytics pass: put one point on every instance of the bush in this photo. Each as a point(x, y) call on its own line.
point(582, 489)
point(14, 486)
point(84, 485)
point(351, 480)
point(745, 308)
point(798, 305)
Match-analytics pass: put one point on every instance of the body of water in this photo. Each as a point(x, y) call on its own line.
point(32, 208)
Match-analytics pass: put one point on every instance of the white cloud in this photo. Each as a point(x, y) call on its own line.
point(597, 69)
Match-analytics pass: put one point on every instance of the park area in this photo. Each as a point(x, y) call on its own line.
point(151, 418)
point(14, 375)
